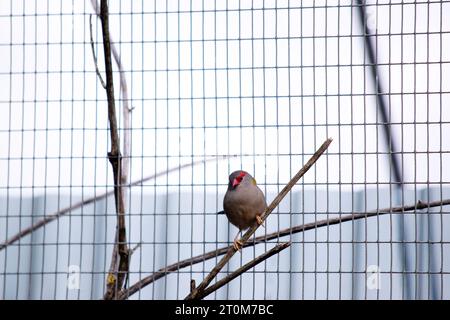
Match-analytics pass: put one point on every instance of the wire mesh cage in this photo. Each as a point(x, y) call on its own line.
point(204, 88)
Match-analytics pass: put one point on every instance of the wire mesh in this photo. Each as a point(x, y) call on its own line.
point(257, 84)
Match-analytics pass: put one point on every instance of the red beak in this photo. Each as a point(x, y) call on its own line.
point(235, 183)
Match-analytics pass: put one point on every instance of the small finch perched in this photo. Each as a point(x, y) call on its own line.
point(243, 203)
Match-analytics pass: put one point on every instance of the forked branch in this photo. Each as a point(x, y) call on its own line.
point(198, 291)
point(266, 255)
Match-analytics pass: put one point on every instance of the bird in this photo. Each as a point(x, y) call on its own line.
point(244, 203)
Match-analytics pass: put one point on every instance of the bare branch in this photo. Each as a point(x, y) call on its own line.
point(251, 231)
point(49, 218)
point(115, 283)
point(126, 108)
point(219, 284)
point(94, 56)
point(125, 159)
point(275, 235)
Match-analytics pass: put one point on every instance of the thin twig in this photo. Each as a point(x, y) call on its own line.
point(94, 56)
point(131, 252)
point(49, 218)
point(264, 216)
point(126, 110)
point(135, 248)
point(219, 284)
point(275, 235)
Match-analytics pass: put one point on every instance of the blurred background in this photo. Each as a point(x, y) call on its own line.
point(264, 82)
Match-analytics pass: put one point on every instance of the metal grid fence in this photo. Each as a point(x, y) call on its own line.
point(257, 85)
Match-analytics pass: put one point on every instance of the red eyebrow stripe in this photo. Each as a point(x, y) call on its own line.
point(242, 174)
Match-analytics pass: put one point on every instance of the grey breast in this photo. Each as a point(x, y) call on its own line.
point(243, 204)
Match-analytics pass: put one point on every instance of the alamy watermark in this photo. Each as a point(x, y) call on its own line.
point(73, 277)
point(373, 277)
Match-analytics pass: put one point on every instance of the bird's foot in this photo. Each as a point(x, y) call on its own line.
point(259, 221)
point(237, 244)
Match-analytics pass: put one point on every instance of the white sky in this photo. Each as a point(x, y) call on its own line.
point(48, 81)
